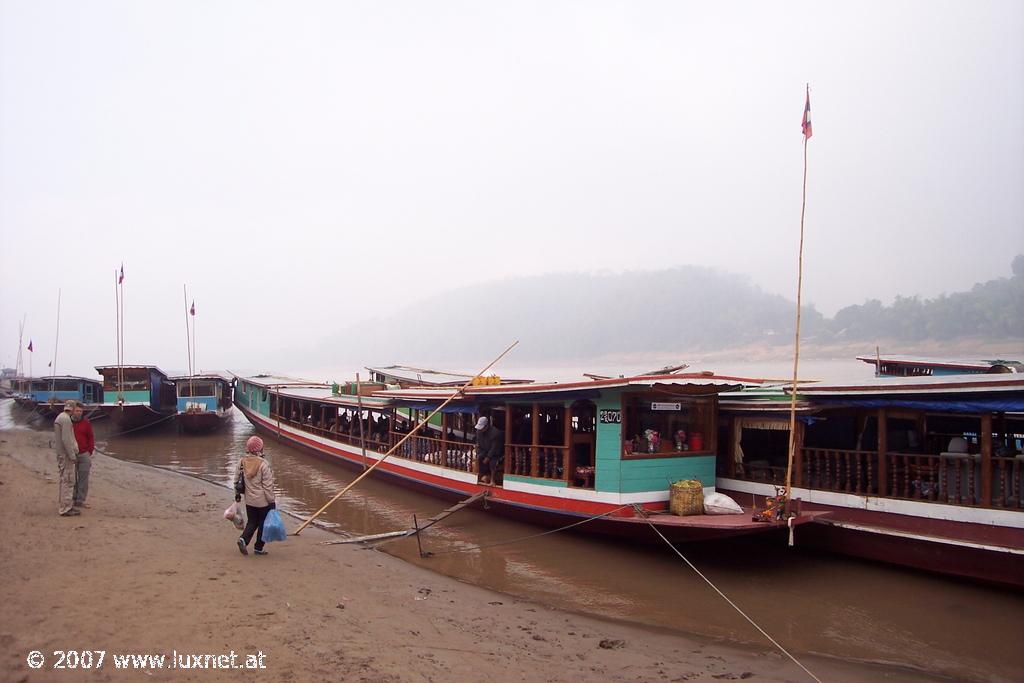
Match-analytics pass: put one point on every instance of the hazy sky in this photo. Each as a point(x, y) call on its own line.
point(304, 165)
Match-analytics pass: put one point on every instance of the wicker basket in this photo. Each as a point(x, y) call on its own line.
point(686, 497)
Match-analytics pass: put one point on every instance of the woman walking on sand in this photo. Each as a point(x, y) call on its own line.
point(255, 471)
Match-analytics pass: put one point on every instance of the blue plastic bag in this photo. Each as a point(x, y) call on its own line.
point(273, 527)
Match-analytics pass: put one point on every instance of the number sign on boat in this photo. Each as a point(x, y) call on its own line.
point(611, 417)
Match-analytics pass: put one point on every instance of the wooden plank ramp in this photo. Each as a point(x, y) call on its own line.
point(391, 535)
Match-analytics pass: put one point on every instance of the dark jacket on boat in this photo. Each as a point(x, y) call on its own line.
point(490, 444)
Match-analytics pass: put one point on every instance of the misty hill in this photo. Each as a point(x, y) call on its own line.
point(684, 309)
point(583, 315)
point(993, 309)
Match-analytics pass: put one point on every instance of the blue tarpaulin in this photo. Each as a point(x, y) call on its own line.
point(966, 405)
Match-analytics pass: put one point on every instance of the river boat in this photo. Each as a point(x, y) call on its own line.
point(573, 451)
point(924, 472)
point(137, 396)
point(917, 366)
point(46, 395)
point(203, 401)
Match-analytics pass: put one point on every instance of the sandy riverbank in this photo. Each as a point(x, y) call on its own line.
point(151, 567)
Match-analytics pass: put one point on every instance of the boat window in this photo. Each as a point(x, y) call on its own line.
point(666, 424)
point(135, 379)
point(186, 388)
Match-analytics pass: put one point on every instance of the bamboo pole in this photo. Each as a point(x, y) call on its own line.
point(56, 343)
point(188, 345)
point(796, 350)
point(408, 436)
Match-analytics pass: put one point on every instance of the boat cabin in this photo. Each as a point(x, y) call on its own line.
point(137, 385)
point(955, 440)
point(63, 388)
point(210, 392)
point(616, 436)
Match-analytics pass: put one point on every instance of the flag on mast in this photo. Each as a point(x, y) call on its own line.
point(30, 346)
point(193, 309)
point(806, 125)
point(120, 278)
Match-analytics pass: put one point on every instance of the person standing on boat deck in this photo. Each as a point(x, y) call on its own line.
point(259, 494)
point(67, 456)
point(490, 450)
point(86, 440)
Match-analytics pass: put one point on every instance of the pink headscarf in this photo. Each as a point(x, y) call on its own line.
point(254, 445)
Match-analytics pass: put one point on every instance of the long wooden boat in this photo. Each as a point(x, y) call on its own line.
point(917, 366)
point(204, 401)
point(137, 396)
point(925, 472)
point(570, 450)
point(46, 395)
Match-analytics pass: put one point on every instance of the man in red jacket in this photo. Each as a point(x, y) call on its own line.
point(86, 443)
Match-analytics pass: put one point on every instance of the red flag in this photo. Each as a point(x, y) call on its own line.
point(50, 364)
point(193, 310)
point(121, 278)
point(806, 125)
point(30, 346)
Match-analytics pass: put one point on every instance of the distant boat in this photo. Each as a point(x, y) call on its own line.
point(137, 396)
point(916, 366)
point(569, 448)
point(204, 401)
point(47, 395)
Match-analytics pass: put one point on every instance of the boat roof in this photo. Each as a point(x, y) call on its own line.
point(48, 378)
point(666, 370)
point(769, 398)
point(216, 376)
point(306, 390)
point(101, 368)
point(324, 395)
point(268, 381)
point(691, 381)
point(943, 384)
point(940, 362)
point(427, 377)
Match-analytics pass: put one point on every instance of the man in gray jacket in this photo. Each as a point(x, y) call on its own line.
point(67, 458)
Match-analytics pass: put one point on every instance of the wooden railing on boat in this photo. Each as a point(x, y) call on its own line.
point(539, 462)
point(453, 454)
point(954, 479)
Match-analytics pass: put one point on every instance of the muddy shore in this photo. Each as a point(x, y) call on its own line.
point(151, 567)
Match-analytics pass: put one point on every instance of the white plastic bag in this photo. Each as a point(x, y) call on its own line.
point(721, 504)
point(234, 514)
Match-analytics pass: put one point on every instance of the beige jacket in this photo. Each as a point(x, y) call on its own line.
point(259, 481)
point(64, 437)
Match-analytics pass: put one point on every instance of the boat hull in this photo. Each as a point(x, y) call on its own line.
point(548, 511)
point(202, 422)
point(980, 552)
point(134, 417)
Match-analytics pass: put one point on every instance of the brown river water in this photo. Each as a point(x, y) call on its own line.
point(809, 601)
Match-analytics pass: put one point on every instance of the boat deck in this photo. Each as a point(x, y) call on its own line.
point(725, 522)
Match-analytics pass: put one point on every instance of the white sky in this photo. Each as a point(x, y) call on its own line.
point(302, 166)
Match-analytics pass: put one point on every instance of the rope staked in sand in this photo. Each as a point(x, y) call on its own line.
point(733, 604)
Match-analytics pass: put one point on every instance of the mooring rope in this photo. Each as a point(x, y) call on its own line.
point(726, 598)
point(135, 429)
point(532, 536)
